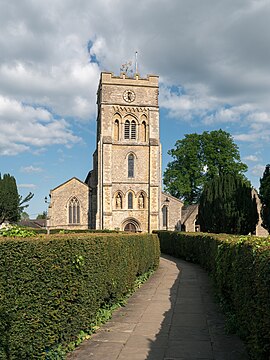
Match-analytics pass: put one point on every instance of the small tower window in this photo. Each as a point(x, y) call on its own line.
point(74, 211)
point(143, 132)
point(130, 165)
point(116, 130)
point(165, 216)
point(130, 200)
point(133, 129)
point(127, 129)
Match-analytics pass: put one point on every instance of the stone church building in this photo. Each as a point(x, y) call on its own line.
point(123, 191)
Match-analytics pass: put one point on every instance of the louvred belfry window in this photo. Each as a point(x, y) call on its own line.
point(130, 130)
point(127, 129)
point(133, 130)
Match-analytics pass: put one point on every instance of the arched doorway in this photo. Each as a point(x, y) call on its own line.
point(130, 227)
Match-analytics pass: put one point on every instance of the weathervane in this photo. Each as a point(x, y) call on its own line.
point(127, 67)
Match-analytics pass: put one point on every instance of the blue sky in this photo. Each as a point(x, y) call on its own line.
point(212, 58)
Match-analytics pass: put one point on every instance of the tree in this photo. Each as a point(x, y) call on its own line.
point(264, 193)
point(197, 159)
point(42, 216)
point(24, 215)
point(227, 206)
point(11, 203)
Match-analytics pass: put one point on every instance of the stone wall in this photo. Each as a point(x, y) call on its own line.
point(173, 207)
point(113, 150)
point(58, 212)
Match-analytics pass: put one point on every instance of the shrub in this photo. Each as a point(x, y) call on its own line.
point(16, 231)
point(52, 287)
point(240, 267)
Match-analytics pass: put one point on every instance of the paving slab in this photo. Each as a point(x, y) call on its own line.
point(171, 317)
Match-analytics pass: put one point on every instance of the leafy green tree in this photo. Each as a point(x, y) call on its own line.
point(42, 216)
point(227, 206)
point(198, 158)
point(11, 203)
point(183, 176)
point(24, 215)
point(264, 193)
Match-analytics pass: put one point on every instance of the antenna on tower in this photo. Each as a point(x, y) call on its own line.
point(136, 62)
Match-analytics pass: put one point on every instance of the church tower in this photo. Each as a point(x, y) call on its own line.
point(126, 178)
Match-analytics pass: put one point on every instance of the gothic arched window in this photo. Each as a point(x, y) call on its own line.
point(130, 165)
point(130, 200)
point(133, 129)
point(74, 211)
point(165, 216)
point(116, 130)
point(127, 129)
point(143, 132)
point(130, 129)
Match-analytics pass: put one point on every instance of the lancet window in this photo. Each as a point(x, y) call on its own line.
point(130, 200)
point(130, 130)
point(74, 211)
point(116, 130)
point(130, 165)
point(165, 216)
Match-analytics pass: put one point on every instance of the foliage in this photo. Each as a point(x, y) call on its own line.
point(11, 203)
point(198, 158)
point(42, 216)
point(240, 268)
point(16, 231)
point(226, 206)
point(52, 287)
point(265, 197)
point(24, 215)
point(103, 315)
point(79, 231)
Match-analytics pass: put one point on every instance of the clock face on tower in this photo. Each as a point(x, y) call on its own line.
point(129, 95)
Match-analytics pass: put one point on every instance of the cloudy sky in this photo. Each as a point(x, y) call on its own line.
point(212, 56)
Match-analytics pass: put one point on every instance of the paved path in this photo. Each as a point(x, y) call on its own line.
point(171, 317)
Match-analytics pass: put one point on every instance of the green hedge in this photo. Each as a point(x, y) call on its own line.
point(66, 231)
point(240, 267)
point(51, 287)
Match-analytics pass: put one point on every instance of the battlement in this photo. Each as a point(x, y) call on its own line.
point(123, 79)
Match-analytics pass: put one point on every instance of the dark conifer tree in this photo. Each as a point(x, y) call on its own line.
point(11, 203)
point(226, 206)
point(264, 193)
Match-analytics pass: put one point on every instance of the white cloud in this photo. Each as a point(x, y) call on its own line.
point(23, 127)
point(31, 169)
point(27, 186)
point(252, 158)
point(218, 52)
point(258, 170)
point(187, 103)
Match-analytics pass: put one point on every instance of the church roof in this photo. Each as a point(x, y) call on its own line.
point(73, 178)
point(172, 197)
point(187, 212)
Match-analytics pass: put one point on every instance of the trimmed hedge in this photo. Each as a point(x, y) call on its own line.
point(240, 267)
point(51, 287)
point(66, 231)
